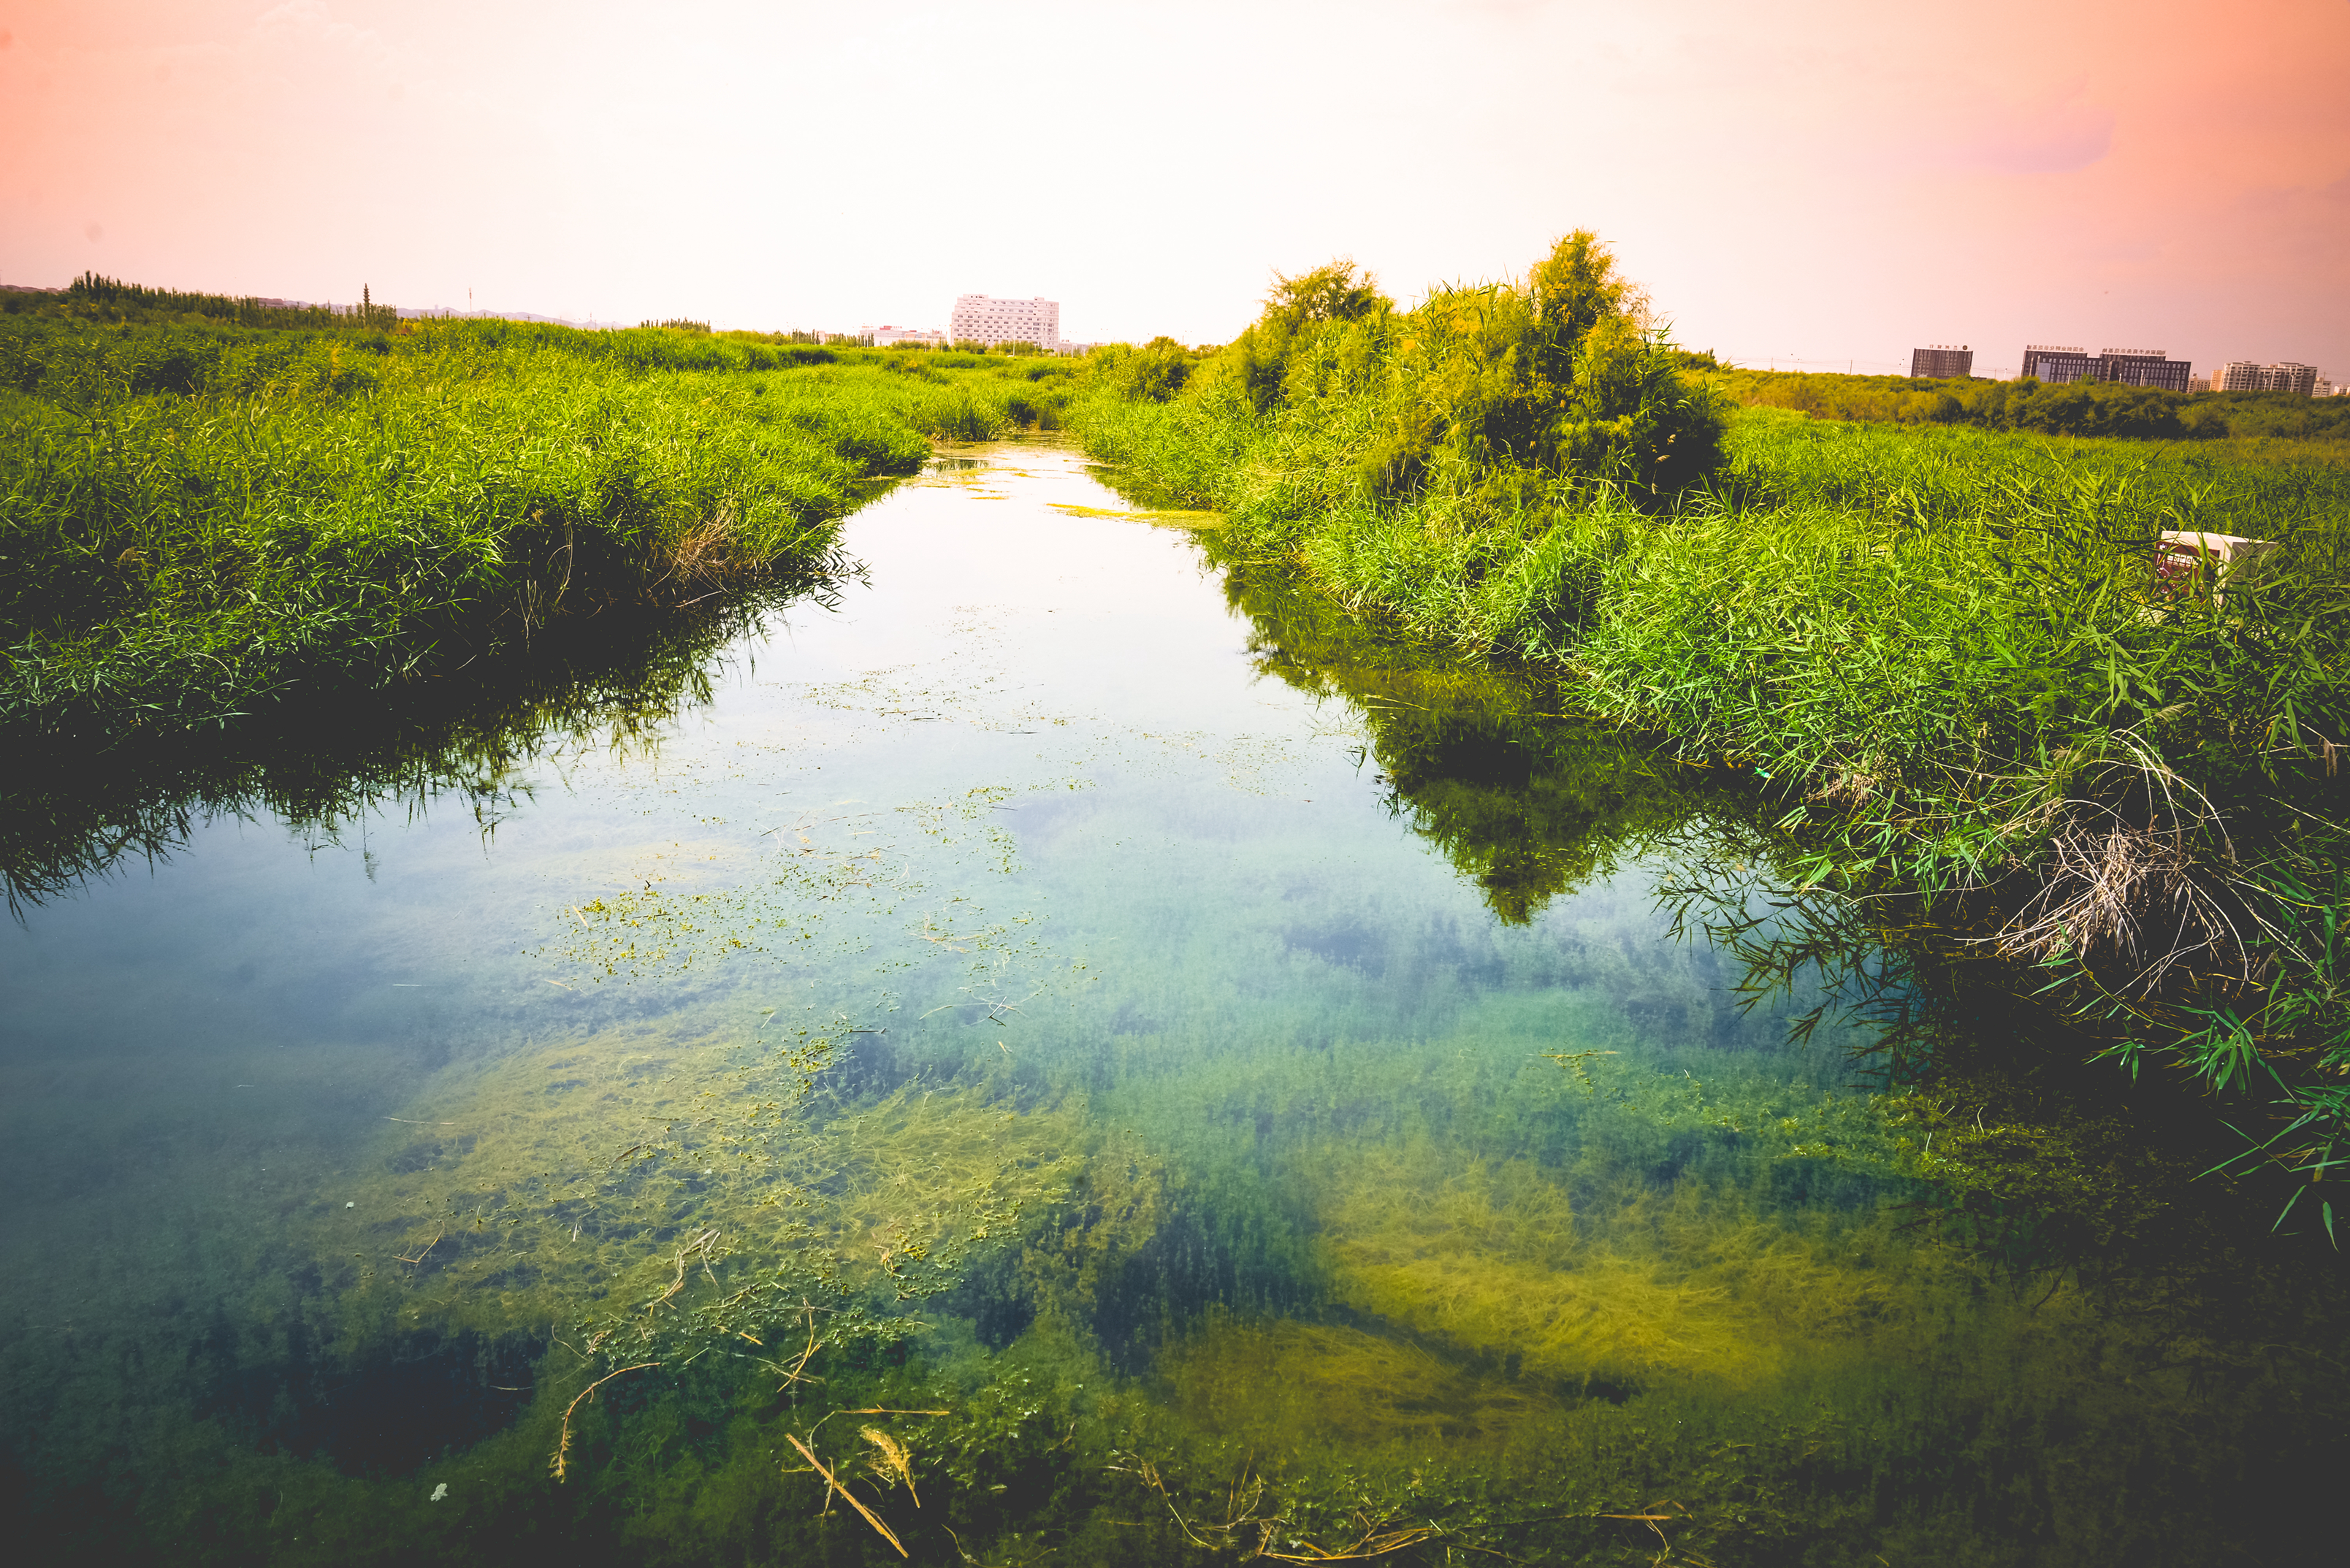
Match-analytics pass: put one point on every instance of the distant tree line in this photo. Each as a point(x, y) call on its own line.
point(65, 358)
point(95, 297)
point(2075, 408)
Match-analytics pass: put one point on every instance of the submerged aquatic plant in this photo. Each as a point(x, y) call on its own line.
point(746, 1209)
point(1486, 1256)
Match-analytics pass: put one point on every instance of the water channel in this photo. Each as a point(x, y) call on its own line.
point(1096, 1054)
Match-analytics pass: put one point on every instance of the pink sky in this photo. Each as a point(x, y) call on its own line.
point(1831, 180)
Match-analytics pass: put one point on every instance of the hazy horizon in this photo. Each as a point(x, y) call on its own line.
point(1827, 183)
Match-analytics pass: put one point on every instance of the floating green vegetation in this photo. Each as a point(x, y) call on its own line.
point(834, 881)
point(1157, 519)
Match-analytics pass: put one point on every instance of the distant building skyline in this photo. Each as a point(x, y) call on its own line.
point(2122, 366)
point(1942, 360)
point(885, 335)
point(2284, 376)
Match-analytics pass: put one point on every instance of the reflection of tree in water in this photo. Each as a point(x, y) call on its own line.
point(70, 816)
point(1526, 803)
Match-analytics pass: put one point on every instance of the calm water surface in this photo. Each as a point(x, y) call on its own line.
point(1203, 1082)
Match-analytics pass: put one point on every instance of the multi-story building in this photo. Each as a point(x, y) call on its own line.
point(980, 318)
point(2048, 362)
point(2125, 367)
point(2287, 375)
point(2144, 368)
point(885, 335)
point(1942, 360)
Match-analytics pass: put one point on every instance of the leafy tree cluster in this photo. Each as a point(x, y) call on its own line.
point(1156, 372)
point(1493, 395)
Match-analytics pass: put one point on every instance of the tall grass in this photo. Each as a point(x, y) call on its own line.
point(197, 523)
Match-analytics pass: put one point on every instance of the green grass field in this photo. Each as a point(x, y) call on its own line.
point(200, 520)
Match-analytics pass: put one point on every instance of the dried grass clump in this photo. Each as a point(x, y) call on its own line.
point(711, 554)
point(2131, 882)
point(2132, 903)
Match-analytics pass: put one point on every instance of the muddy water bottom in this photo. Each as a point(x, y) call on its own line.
point(1087, 1054)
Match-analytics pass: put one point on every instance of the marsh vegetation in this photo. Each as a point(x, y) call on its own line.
point(1942, 653)
point(1155, 1068)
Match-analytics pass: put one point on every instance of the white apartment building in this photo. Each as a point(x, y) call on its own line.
point(983, 318)
point(2244, 376)
point(885, 335)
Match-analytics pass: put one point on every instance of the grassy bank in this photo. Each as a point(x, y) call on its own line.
point(198, 520)
point(1942, 648)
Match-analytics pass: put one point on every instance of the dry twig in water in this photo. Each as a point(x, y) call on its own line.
point(560, 1465)
point(833, 1485)
point(420, 1256)
point(701, 1244)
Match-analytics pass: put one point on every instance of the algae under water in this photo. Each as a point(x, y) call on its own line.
point(1070, 1047)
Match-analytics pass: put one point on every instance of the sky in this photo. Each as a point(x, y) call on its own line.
point(1823, 183)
